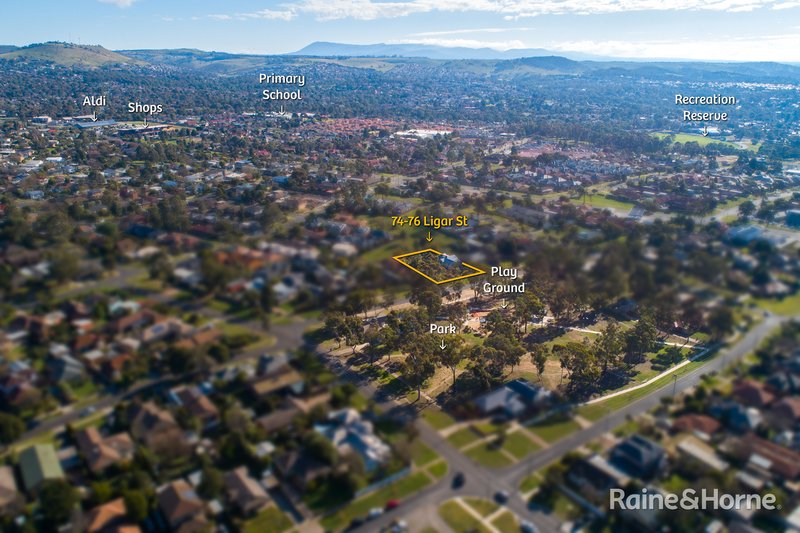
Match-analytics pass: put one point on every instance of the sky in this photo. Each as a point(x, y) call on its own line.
point(728, 30)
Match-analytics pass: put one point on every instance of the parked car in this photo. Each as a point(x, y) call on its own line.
point(501, 496)
point(399, 526)
point(392, 504)
point(458, 480)
point(527, 527)
point(374, 513)
point(356, 522)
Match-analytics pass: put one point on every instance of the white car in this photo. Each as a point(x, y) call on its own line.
point(399, 526)
point(375, 512)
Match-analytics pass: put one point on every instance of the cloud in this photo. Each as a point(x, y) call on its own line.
point(784, 48)
point(515, 9)
point(264, 14)
point(467, 31)
point(119, 3)
point(465, 43)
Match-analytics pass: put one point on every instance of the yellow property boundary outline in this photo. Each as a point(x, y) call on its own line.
point(399, 259)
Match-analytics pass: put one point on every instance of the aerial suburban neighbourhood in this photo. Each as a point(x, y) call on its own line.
point(390, 288)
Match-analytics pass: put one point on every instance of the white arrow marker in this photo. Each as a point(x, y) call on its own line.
point(504, 304)
point(705, 131)
point(94, 116)
point(443, 345)
point(145, 122)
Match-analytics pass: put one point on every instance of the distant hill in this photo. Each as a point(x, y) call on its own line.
point(7, 48)
point(211, 62)
point(326, 49)
point(70, 55)
point(544, 64)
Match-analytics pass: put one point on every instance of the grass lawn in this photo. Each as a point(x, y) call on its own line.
point(421, 454)
point(487, 429)
point(270, 520)
point(325, 496)
point(86, 389)
point(95, 420)
point(676, 484)
point(144, 282)
point(598, 410)
point(437, 419)
point(462, 437)
point(458, 519)
point(359, 508)
point(531, 482)
point(555, 428)
point(699, 139)
point(789, 306)
point(565, 508)
point(602, 202)
point(486, 455)
point(519, 445)
point(506, 523)
point(484, 507)
point(438, 469)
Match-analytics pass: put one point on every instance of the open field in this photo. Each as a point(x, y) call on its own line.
point(699, 139)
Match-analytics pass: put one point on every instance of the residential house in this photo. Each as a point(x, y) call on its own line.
point(752, 393)
point(639, 457)
point(11, 501)
point(594, 477)
point(300, 469)
point(776, 459)
point(702, 425)
point(351, 434)
point(285, 378)
point(199, 338)
point(701, 455)
point(737, 417)
point(181, 507)
point(101, 452)
point(134, 321)
point(196, 404)
point(38, 463)
point(512, 399)
point(64, 367)
point(156, 428)
point(785, 413)
point(245, 493)
point(110, 517)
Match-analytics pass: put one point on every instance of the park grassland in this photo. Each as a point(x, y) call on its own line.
point(458, 519)
point(596, 411)
point(788, 306)
point(270, 520)
point(683, 138)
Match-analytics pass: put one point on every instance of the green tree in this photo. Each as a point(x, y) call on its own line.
point(420, 365)
point(211, 483)
point(539, 354)
point(136, 505)
point(452, 354)
point(608, 345)
point(746, 209)
point(721, 322)
point(11, 428)
point(57, 499)
point(642, 338)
